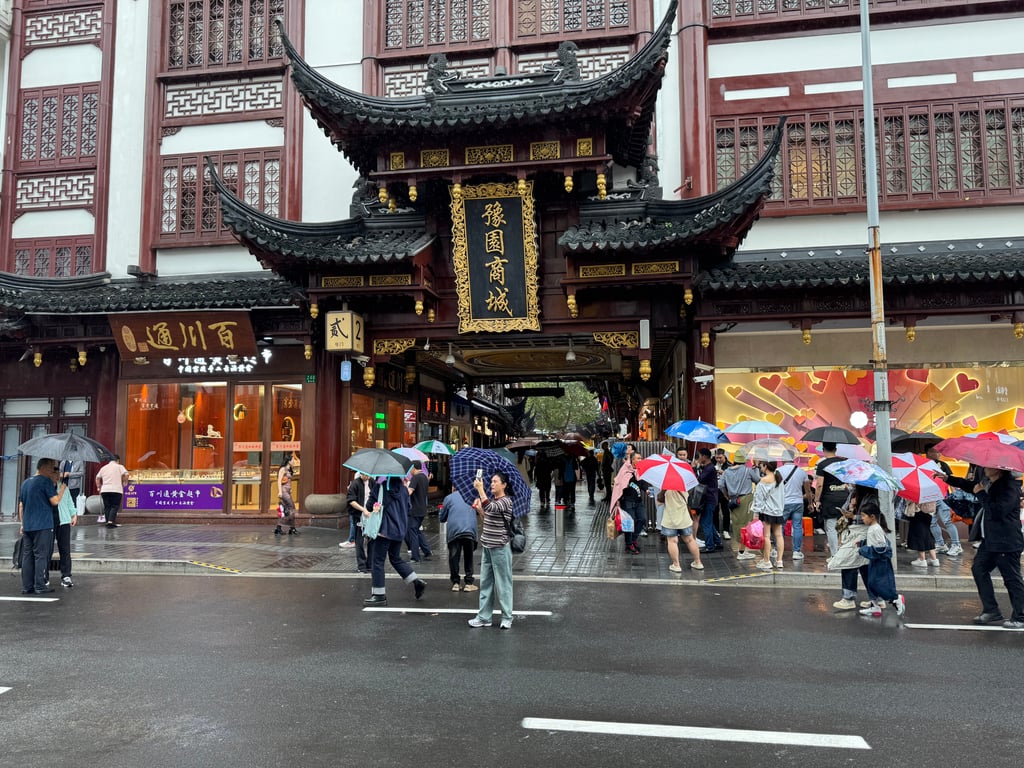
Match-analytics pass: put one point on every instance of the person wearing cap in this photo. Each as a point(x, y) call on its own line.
point(1002, 541)
point(736, 484)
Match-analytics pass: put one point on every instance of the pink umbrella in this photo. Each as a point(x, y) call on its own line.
point(917, 475)
point(413, 454)
point(1002, 437)
point(985, 450)
point(667, 473)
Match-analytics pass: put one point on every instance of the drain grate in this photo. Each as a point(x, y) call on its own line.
point(298, 561)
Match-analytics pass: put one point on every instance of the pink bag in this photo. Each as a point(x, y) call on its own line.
point(752, 535)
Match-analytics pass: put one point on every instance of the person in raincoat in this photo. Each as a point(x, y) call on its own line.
point(393, 505)
point(628, 499)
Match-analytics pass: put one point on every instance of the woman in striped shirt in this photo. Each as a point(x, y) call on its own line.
point(496, 561)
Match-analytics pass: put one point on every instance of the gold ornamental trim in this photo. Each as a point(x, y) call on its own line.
point(584, 147)
point(392, 346)
point(385, 281)
point(460, 257)
point(656, 268)
point(347, 281)
point(398, 161)
point(618, 339)
point(545, 150)
point(434, 158)
point(603, 270)
point(488, 155)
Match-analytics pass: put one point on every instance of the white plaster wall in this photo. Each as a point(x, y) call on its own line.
point(888, 46)
point(61, 66)
point(222, 137)
point(127, 137)
point(205, 261)
point(667, 124)
point(5, 55)
point(334, 45)
point(54, 224)
point(896, 227)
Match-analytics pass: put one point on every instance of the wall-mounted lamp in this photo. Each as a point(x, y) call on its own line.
point(426, 345)
point(450, 359)
point(369, 376)
point(307, 351)
point(570, 356)
point(314, 310)
point(645, 369)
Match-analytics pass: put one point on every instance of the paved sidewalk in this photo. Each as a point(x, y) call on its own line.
point(583, 553)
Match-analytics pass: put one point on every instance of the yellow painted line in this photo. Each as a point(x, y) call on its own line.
point(214, 567)
point(741, 576)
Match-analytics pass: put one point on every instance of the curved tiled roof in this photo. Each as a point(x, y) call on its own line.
point(645, 225)
point(291, 247)
point(357, 121)
point(100, 294)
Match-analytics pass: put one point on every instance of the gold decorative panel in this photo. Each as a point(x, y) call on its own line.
point(656, 268)
point(392, 346)
point(497, 153)
point(584, 147)
point(348, 281)
point(618, 339)
point(545, 150)
point(603, 270)
point(398, 161)
point(434, 158)
point(381, 281)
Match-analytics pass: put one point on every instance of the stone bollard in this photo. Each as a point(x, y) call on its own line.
point(324, 504)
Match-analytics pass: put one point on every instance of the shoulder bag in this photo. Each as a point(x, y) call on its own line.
point(517, 536)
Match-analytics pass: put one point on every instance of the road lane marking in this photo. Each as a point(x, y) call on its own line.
point(741, 576)
point(827, 740)
point(969, 627)
point(451, 610)
point(5, 690)
point(27, 599)
point(214, 567)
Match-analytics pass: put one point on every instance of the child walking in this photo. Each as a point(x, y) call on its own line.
point(881, 579)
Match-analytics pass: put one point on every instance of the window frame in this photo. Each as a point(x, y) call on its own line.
point(73, 242)
point(270, 59)
point(61, 93)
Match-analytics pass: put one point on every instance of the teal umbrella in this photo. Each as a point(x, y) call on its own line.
point(434, 446)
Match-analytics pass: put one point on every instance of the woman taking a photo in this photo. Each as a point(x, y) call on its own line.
point(495, 513)
point(768, 506)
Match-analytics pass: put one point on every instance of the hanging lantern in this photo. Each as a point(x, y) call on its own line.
point(369, 376)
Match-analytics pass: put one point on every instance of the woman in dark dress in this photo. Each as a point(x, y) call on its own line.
point(919, 536)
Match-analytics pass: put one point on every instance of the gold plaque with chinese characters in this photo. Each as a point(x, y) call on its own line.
point(183, 334)
point(343, 332)
point(494, 249)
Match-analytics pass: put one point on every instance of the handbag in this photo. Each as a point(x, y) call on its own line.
point(610, 529)
point(697, 498)
point(517, 536)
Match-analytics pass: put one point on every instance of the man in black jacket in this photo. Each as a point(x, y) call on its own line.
point(358, 501)
point(1002, 542)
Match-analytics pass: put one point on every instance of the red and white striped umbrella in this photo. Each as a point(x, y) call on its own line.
point(666, 473)
point(918, 477)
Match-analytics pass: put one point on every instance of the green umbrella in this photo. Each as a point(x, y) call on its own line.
point(434, 446)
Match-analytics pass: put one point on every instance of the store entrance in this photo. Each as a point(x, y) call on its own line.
point(15, 468)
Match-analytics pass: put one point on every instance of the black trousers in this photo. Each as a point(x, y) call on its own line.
point(1008, 564)
point(62, 533)
point(111, 505)
point(461, 549)
point(359, 541)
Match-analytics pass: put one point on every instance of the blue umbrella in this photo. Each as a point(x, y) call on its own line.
point(466, 462)
point(697, 431)
point(864, 473)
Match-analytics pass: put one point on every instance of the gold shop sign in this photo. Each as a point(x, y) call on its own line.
point(494, 247)
point(344, 331)
point(183, 334)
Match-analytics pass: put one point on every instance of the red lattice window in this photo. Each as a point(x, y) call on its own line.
point(417, 24)
point(535, 18)
point(58, 126)
point(220, 34)
point(934, 153)
point(777, 10)
point(54, 257)
point(189, 208)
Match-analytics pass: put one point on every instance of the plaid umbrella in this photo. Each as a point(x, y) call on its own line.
point(466, 462)
point(666, 473)
point(917, 475)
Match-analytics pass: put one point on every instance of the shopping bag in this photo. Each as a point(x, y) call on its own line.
point(611, 530)
point(102, 518)
point(752, 535)
point(80, 505)
point(626, 522)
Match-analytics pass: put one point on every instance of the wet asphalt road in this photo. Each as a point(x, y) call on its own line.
point(227, 671)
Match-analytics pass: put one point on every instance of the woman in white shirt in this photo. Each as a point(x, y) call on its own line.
point(768, 507)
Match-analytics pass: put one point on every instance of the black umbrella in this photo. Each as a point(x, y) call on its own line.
point(376, 462)
point(894, 434)
point(914, 442)
point(66, 446)
point(831, 434)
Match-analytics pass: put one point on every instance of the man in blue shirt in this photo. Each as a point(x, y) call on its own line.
point(39, 495)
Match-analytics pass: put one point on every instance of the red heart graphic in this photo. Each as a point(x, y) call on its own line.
point(966, 384)
point(819, 385)
point(917, 374)
point(971, 422)
point(771, 383)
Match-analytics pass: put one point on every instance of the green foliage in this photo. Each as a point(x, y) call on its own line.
point(576, 407)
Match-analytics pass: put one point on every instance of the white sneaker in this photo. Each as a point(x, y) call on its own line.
point(347, 544)
point(726, 536)
point(918, 563)
point(901, 605)
point(844, 605)
point(764, 565)
point(798, 555)
point(934, 562)
point(700, 542)
point(873, 610)
point(942, 549)
point(745, 556)
point(955, 551)
point(976, 544)
point(819, 531)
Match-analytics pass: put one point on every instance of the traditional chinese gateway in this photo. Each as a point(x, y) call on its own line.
point(508, 224)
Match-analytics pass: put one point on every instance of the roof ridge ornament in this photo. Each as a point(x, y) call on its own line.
point(438, 74)
point(565, 66)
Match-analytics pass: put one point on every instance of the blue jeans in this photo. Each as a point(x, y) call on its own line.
point(795, 512)
point(945, 515)
point(36, 551)
point(416, 539)
point(495, 577)
point(849, 579)
point(707, 525)
point(832, 534)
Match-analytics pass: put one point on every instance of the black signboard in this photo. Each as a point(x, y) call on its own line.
point(494, 240)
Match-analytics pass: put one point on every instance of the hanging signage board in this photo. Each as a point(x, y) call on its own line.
point(494, 247)
point(183, 334)
point(344, 332)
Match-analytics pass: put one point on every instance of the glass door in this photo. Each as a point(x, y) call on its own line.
point(248, 449)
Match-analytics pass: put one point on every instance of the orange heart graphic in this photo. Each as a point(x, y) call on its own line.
point(802, 447)
point(734, 391)
point(775, 418)
point(795, 382)
point(852, 377)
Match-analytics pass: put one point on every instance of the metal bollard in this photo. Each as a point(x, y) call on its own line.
point(559, 521)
